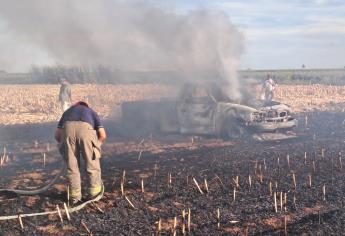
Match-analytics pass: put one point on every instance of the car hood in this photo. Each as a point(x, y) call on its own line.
point(241, 111)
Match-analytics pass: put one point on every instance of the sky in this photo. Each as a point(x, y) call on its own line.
point(285, 34)
point(277, 34)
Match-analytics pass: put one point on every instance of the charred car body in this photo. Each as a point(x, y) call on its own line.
point(204, 110)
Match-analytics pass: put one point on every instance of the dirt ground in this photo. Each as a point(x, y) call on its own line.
point(305, 174)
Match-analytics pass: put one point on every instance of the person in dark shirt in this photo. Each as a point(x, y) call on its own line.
point(80, 134)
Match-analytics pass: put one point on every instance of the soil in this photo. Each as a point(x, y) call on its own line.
point(238, 174)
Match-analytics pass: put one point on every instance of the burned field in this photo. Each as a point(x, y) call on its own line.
point(245, 188)
point(212, 187)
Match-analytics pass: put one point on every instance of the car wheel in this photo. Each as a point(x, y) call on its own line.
point(233, 130)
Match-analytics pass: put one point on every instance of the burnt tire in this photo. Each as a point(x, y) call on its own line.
point(233, 130)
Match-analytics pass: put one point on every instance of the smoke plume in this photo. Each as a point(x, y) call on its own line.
point(128, 35)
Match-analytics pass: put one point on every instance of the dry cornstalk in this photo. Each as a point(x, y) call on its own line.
point(237, 182)
point(48, 147)
point(270, 188)
point(85, 227)
point(183, 229)
point(3, 158)
point(122, 189)
point(314, 169)
point(261, 178)
point(44, 159)
point(123, 176)
point(306, 120)
point(285, 201)
point(159, 226)
point(142, 186)
point(305, 158)
point(294, 180)
point(340, 162)
point(278, 161)
point(189, 218)
point(294, 200)
point(169, 180)
point(324, 192)
point(196, 183)
point(234, 195)
point(130, 203)
point(281, 201)
point(68, 195)
point(285, 225)
point(139, 156)
point(141, 142)
point(288, 160)
point(265, 167)
point(275, 201)
point(20, 221)
point(155, 168)
point(59, 213)
point(175, 225)
point(323, 152)
point(309, 180)
point(218, 218)
point(99, 209)
point(67, 212)
point(220, 181)
point(206, 185)
point(250, 181)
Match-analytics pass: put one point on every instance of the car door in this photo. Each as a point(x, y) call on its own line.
point(196, 115)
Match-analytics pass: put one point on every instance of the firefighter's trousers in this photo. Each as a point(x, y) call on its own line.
point(79, 139)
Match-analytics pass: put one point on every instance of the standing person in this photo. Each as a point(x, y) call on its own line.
point(268, 88)
point(80, 133)
point(65, 94)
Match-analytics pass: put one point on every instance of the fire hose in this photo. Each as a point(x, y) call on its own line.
point(43, 189)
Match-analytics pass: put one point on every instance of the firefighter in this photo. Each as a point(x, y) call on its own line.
point(268, 88)
point(65, 94)
point(81, 134)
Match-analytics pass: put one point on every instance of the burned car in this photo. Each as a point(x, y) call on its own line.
point(205, 110)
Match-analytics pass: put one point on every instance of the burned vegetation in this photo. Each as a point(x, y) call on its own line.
point(175, 185)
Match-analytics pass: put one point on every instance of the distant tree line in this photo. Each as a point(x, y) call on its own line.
point(300, 76)
point(107, 75)
point(101, 75)
point(74, 74)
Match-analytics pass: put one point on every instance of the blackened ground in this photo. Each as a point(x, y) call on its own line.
point(310, 210)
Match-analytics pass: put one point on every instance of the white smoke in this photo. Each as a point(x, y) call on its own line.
point(128, 35)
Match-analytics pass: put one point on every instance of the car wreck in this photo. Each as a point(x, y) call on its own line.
point(204, 110)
